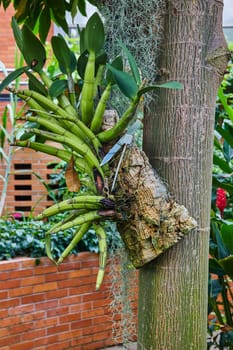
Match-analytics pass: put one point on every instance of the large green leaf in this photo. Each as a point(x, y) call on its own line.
point(227, 236)
point(36, 85)
point(81, 6)
point(226, 133)
point(169, 85)
point(132, 63)
point(116, 63)
point(17, 34)
point(217, 143)
point(215, 268)
point(125, 82)
point(33, 50)
point(44, 24)
point(82, 46)
point(12, 76)
point(94, 34)
point(227, 265)
point(223, 251)
point(223, 182)
point(4, 126)
point(222, 164)
point(223, 99)
point(81, 64)
point(66, 58)
point(58, 87)
point(58, 10)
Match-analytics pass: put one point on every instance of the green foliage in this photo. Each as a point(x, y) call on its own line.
point(94, 42)
point(27, 238)
point(38, 15)
point(221, 235)
point(66, 58)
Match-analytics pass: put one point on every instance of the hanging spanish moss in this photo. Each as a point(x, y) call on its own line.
point(139, 25)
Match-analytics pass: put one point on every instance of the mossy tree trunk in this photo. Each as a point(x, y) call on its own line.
point(178, 139)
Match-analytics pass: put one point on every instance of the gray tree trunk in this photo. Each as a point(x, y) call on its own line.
point(178, 139)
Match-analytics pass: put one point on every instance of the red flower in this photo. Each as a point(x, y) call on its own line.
point(221, 200)
point(17, 216)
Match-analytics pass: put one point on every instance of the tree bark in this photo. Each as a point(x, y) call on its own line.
point(178, 139)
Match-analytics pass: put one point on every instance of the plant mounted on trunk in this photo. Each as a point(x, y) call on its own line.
point(74, 115)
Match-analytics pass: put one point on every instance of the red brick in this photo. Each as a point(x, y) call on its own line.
point(75, 299)
point(75, 265)
point(32, 298)
point(42, 270)
point(9, 284)
point(102, 302)
point(56, 294)
point(9, 265)
point(68, 283)
point(102, 335)
point(69, 317)
point(21, 309)
point(58, 329)
point(46, 322)
point(5, 304)
point(92, 313)
point(3, 314)
point(46, 305)
point(48, 340)
point(59, 276)
point(35, 334)
point(23, 346)
point(19, 273)
point(4, 332)
point(20, 291)
point(81, 340)
point(81, 324)
point(95, 295)
point(26, 261)
point(20, 328)
point(69, 335)
point(14, 339)
point(33, 280)
point(61, 346)
point(36, 315)
point(102, 319)
point(3, 295)
point(44, 287)
point(97, 328)
point(78, 273)
point(58, 311)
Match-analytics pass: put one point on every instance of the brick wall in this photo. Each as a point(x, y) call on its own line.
point(25, 192)
point(49, 307)
point(7, 48)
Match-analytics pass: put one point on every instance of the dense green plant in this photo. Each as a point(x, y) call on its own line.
point(38, 15)
point(27, 238)
point(221, 239)
point(70, 112)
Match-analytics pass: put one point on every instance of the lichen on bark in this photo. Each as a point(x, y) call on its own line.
point(151, 220)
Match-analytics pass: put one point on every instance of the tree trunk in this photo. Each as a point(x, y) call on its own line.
point(178, 140)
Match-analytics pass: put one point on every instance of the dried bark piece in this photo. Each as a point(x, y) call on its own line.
point(151, 221)
point(72, 179)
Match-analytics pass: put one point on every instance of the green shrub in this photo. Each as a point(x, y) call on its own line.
point(26, 238)
point(220, 308)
